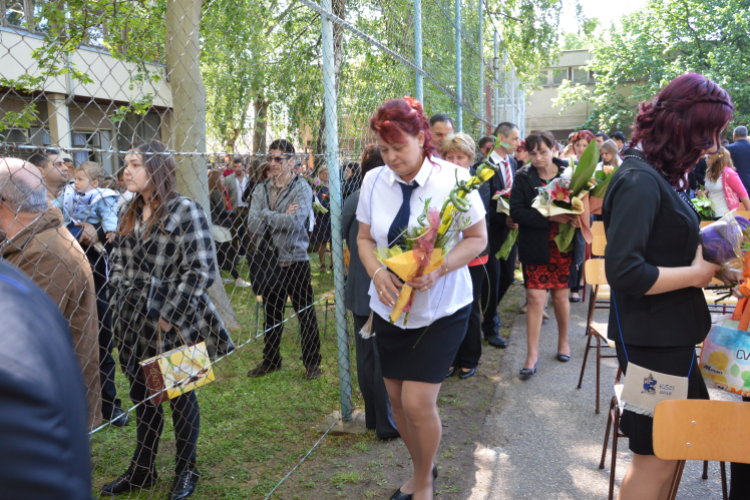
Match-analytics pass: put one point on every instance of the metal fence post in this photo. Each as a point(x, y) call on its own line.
point(459, 77)
point(496, 61)
point(332, 153)
point(418, 49)
point(481, 60)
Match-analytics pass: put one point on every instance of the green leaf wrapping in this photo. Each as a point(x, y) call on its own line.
point(564, 238)
point(602, 183)
point(504, 251)
point(585, 169)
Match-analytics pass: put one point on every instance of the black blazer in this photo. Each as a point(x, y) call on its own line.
point(649, 225)
point(356, 293)
point(533, 227)
point(497, 231)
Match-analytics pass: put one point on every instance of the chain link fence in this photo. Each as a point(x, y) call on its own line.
point(154, 127)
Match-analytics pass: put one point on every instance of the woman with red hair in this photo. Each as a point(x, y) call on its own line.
point(415, 359)
point(654, 263)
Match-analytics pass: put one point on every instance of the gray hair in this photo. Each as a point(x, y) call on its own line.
point(18, 195)
point(740, 132)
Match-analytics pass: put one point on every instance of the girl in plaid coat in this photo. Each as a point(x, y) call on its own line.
point(162, 265)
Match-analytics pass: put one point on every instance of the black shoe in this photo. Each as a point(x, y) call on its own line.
point(119, 417)
point(184, 483)
point(451, 372)
point(575, 299)
point(563, 358)
point(313, 372)
point(496, 341)
point(135, 477)
point(528, 372)
point(470, 373)
point(263, 369)
point(400, 495)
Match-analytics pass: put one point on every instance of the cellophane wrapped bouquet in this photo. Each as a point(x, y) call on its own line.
point(428, 242)
point(503, 206)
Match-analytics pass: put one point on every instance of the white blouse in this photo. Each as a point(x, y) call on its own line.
point(379, 201)
point(715, 190)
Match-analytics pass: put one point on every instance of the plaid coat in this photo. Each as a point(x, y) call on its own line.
point(165, 274)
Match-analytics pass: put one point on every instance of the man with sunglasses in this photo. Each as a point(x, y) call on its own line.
point(278, 218)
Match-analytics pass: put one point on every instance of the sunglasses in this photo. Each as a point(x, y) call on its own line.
point(276, 159)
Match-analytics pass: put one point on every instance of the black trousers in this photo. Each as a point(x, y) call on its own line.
point(502, 275)
point(226, 254)
point(378, 414)
point(471, 348)
point(239, 230)
point(740, 480)
point(186, 419)
point(106, 343)
point(298, 286)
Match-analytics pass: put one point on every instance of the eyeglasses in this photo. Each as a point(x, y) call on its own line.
point(276, 159)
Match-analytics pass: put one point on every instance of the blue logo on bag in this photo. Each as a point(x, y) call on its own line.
point(649, 385)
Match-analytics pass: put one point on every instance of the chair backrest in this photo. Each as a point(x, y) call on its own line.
point(743, 213)
point(705, 223)
point(697, 429)
point(595, 274)
point(598, 245)
point(597, 228)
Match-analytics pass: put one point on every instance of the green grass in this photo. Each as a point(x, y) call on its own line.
point(253, 431)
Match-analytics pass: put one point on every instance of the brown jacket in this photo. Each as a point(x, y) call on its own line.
point(46, 251)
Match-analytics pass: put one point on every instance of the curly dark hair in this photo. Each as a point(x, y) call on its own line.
point(686, 120)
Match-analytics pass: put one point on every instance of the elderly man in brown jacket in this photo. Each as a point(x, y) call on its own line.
point(37, 243)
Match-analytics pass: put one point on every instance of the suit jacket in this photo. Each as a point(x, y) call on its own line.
point(740, 153)
point(231, 183)
point(356, 295)
point(43, 398)
point(649, 225)
point(498, 231)
point(47, 252)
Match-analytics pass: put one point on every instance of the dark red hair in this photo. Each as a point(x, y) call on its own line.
point(402, 116)
point(583, 135)
point(685, 120)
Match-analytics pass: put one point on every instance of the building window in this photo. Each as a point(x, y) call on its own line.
point(85, 140)
point(580, 75)
point(543, 77)
point(560, 74)
point(15, 135)
point(40, 137)
point(14, 13)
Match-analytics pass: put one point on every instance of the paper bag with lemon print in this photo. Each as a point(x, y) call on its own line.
point(725, 359)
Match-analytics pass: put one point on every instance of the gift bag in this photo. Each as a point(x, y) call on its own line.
point(725, 359)
point(178, 371)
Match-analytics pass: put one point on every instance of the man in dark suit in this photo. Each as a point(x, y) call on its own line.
point(620, 140)
point(740, 152)
point(500, 271)
point(42, 396)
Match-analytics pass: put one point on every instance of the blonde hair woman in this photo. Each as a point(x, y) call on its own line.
point(610, 155)
point(458, 149)
point(723, 185)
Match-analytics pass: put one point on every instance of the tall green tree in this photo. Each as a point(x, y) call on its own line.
point(661, 41)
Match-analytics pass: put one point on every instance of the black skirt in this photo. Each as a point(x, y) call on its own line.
point(420, 354)
point(671, 361)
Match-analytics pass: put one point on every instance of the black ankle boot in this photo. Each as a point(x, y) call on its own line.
point(185, 483)
point(135, 477)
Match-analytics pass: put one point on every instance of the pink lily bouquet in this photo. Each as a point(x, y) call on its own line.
point(569, 194)
point(503, 207)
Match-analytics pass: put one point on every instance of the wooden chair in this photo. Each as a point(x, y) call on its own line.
point(613, 420)
point(595, 272)
point(597, 228)
point(702, 430)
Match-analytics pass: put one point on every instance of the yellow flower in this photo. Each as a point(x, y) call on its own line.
point(577, 204)
point(608, 169)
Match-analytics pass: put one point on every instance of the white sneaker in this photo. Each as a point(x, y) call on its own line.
point(241, 283)
point(227, 280)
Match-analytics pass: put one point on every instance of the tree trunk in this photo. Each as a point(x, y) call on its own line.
point(188, 127)
point(261, 124)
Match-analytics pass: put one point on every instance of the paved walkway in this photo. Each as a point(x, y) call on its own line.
point(542, 439)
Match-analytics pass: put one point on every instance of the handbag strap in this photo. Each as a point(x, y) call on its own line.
point(624, 349)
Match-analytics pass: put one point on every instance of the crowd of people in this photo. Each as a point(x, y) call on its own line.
point(128, 262)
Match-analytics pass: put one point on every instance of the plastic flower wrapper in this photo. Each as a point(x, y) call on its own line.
point(722, 241)
point(569, 194)
point(318, 207)
point(428, 243)
point(503, 207)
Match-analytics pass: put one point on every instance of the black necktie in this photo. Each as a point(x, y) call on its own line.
point(401, 221)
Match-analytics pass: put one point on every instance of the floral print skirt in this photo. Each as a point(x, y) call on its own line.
point(552, 276)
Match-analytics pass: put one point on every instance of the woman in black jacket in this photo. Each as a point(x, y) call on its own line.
point(654, 263)
point(221, 227)
point(544, 266)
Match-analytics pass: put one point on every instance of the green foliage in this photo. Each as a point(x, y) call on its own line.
point(661, 41)
point(705, 207)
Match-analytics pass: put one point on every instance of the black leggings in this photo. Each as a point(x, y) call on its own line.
point(226, 253)
point(186, 418)
point(298, 286)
